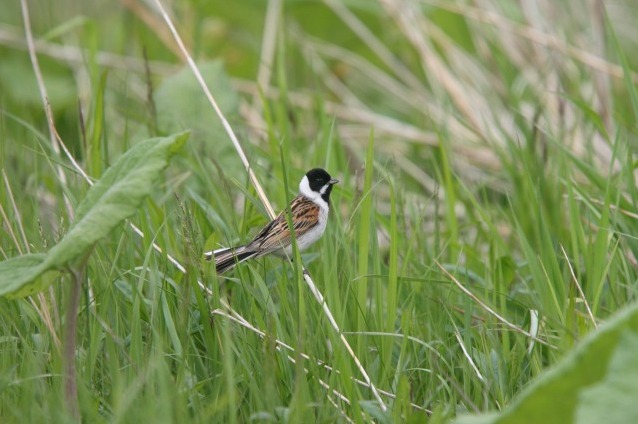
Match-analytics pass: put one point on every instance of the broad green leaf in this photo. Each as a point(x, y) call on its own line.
point(15, 272)
point(115, 197)
point(25, 275)
point(181, 103)
point(613, 400)
point(37, 285)
point(603, 362)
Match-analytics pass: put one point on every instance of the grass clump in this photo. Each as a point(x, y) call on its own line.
point(483, 228)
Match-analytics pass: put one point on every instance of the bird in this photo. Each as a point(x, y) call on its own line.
point(309, 214)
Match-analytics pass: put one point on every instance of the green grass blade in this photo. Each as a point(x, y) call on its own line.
point(365, 229)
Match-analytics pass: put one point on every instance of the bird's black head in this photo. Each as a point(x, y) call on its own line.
point(321, 182)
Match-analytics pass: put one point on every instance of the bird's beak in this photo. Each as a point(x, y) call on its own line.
point(333, 181)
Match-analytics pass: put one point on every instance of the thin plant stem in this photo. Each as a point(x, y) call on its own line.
point(70, 340)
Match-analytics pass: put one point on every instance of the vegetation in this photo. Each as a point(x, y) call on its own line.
point(483, 230)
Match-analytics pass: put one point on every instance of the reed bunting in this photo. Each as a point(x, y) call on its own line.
point(309, 214)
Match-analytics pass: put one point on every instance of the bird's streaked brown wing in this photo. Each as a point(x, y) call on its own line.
point(275, 235)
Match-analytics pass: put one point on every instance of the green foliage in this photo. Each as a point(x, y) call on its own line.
point(113, 198)
point(495, 140)
point(596, 382)
point(182, 105)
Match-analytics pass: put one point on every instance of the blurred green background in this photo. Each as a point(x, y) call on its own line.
point(487, 143)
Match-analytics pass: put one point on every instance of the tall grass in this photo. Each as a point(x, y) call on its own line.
point(488, 145)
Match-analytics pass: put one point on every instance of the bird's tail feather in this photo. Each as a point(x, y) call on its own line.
point(228, 257)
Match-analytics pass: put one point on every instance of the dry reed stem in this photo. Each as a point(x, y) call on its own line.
point(45, 100)
point(579, 288)
point(75, 55)
point(268, 44)
point(43, 309)
point(282, 345)
point(262, 194)
point(488, 309)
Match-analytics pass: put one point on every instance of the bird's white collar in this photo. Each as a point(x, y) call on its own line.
point(304, 188)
